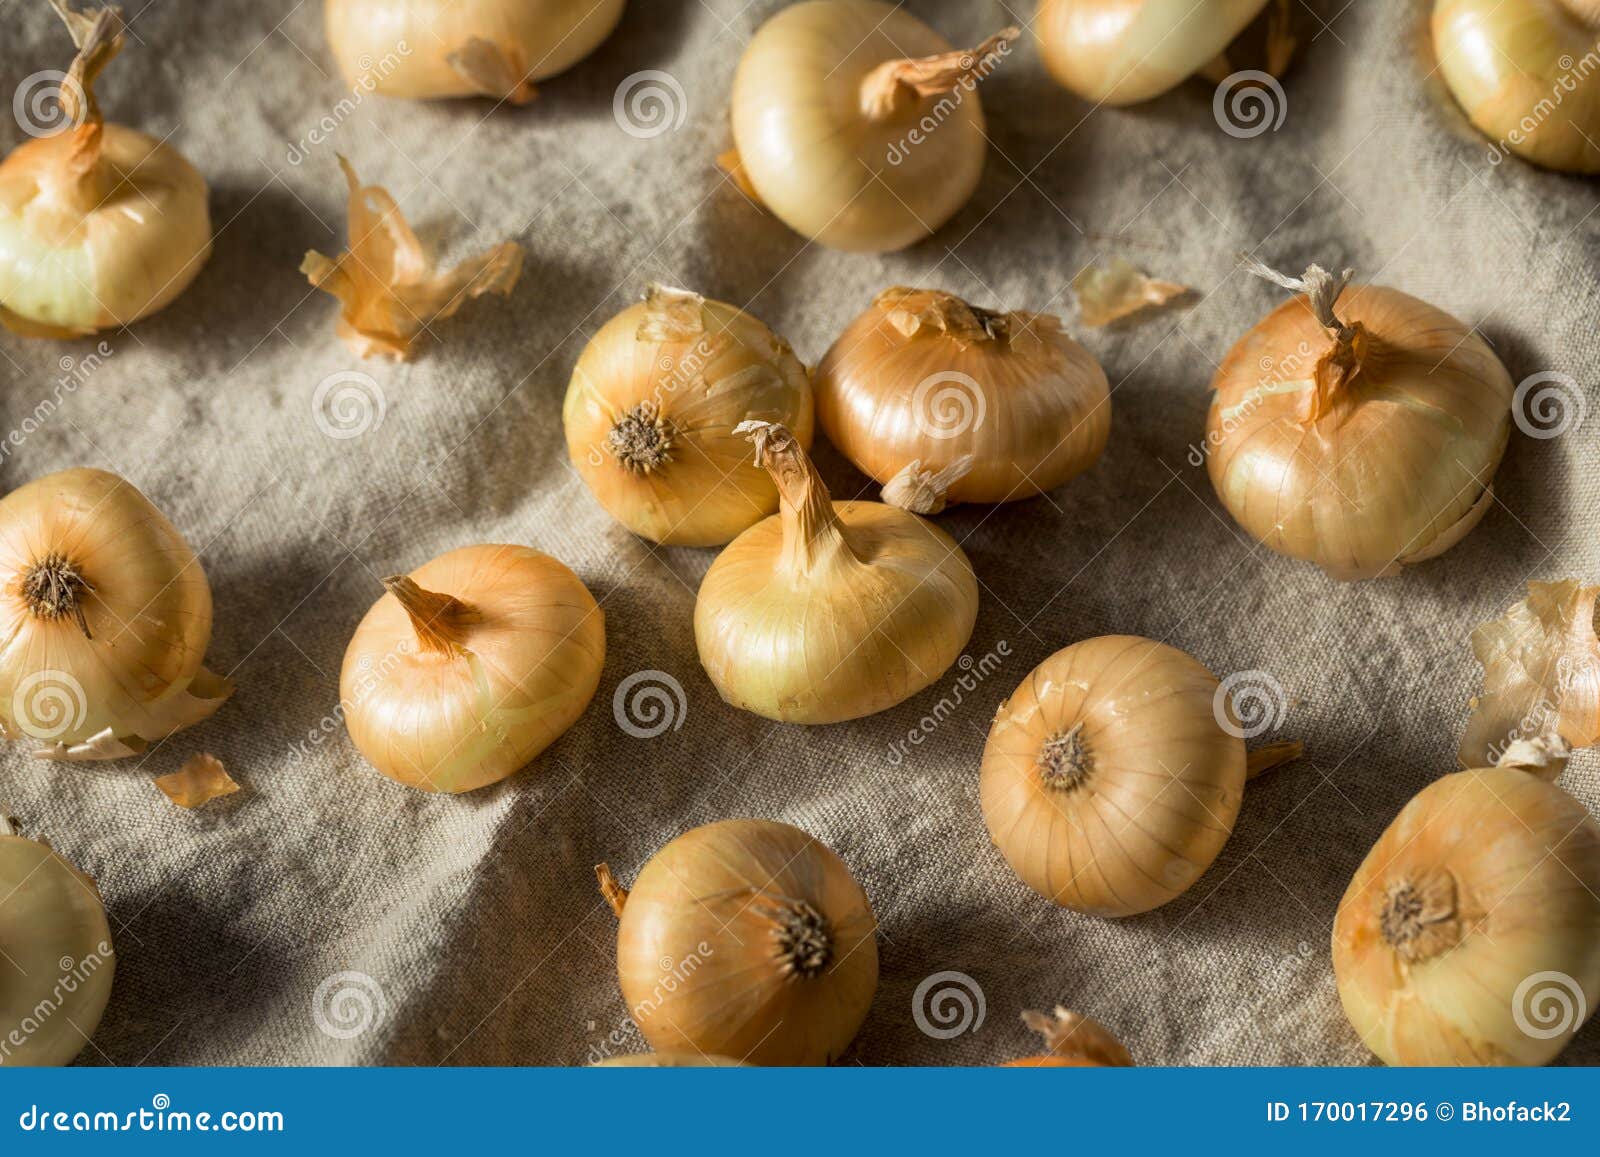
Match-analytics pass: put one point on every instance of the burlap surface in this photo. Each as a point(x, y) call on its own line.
point(474, 922)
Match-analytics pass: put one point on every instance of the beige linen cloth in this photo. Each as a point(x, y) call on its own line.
point(325, 915)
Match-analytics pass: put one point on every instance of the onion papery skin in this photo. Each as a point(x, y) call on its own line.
point(1395, 471)
point(1033, 411)
point(1503, 62)
point(821, 165)
point(697, 950)
point(1158, 794)
point(1518, 861)
point(702, 386)
point(59, 959)
point(1120, 52)
point(76, 259)
point(138, 674)
point(536, 38)
point(460, 720)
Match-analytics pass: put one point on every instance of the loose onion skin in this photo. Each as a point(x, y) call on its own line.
point(1120, 52)
point(1361, 448)
point(471, 666)
point(923, 377)
point(59, 958)
point(1472, 929)
point(463, 48)
point(650, 412)
point(1104, 730)
point(1513, 65)
point(780, 935)
point(832, 162)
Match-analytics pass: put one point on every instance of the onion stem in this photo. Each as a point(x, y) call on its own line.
point(812, 534)
point(616, 895)
point(440, 621)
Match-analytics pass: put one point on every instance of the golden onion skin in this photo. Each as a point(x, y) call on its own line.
point(702, 386)
point(721, 897)
point(1395, 471)
point(59, 960)
point(1525, 72)
point(817, 161)
point(1107, 782)
point(536, 39)
point(1029, 404)
point(1476, 909)
point(458, 720)
point(1121, 52)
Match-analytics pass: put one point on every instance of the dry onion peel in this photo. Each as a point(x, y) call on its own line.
point(945, 402)
point(650, 412)
point(1357, 428)
point(106, 616)
point(201, 779)
point(857, 125)
point(100, 225)
point(388, 290)
point(830, 611)
point(425, 49)
point(746, 939)
point(1073, 1040)
point(1119, 290)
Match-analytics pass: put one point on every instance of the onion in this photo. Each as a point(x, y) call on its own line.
point(1073, 1041)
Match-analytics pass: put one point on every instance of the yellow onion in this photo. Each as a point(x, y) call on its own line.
point(1109, 783)
point(1524, 71)
point(923, 382)
point(1123, 51)
point(106, 616)
point(746, 939)
point(1361, 440)
point(421, 49)
point(857, 124)
point(1073, 1041)
point(471, 666)
point(1470, 934)
point(830, 610)
point(668, 1061)
point(58, 960)
point(100, 225)
point(651, 408)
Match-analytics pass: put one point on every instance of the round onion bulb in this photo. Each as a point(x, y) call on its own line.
point(651, 409)
point(1108, 782)
point(828, 610)
point(923, 387)
point(471, 666)
point(1123, 51)
point(1357, 429)
point(857, 124)
point(423, 49)
point(746, 939)
point(1525, 72)
point(100, 225)
point(58, 960)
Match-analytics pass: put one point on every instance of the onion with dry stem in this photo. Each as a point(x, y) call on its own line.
point(422, 49)
point(471, 666)
point(857, 124)
point(1002, 405)
point(1072, 1041)
point(651, 409)
point(100, 225)
point(746, 939)
point(1358, 429)
point(830, 610)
